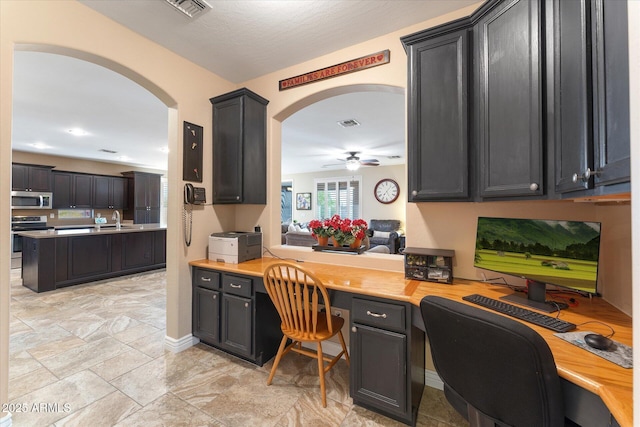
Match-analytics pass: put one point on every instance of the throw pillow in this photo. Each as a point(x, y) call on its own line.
point(381, 234)
point(292, 228)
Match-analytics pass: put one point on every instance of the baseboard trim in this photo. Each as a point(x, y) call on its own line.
point(6, 420)
point(178, 345)
point(431, 379)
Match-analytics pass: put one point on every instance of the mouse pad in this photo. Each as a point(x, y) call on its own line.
point(622, 355)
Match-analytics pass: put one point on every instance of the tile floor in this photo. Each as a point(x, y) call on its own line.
point(93, 355)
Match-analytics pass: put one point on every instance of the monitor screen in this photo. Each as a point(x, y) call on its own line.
point(555, 252)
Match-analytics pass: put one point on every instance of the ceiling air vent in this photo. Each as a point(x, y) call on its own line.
point(104, 150)
point(191, 8)
point(349, 123)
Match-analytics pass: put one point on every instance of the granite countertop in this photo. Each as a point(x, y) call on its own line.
point(84, 230)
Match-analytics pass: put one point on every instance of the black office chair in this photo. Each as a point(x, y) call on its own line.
point(496, 370)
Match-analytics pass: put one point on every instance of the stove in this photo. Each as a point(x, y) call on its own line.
point(24, 223)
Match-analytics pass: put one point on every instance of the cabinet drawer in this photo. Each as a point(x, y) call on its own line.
point(237, 285)
point(380, 314)
point(206, 279)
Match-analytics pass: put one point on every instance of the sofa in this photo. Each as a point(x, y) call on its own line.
point(385, 232)
point(297, 235)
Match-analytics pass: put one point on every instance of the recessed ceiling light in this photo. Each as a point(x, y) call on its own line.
point(77, 132)
point(40, 145)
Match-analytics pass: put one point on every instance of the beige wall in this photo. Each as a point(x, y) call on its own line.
point(371, 208)
point(68, 27)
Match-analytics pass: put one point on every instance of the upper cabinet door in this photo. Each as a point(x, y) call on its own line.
point(611, 92)
point(227, 151)
point(438, 145)
point(508, 100)
point(569, 46)
point(239, 148)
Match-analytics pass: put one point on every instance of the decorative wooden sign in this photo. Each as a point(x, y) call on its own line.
point(358, 64)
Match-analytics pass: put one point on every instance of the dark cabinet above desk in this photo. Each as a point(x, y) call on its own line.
point(240, 148)
point(524, 99)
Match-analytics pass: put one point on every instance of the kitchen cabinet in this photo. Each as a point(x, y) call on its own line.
point(231, 314)
point(30, 177)
point(72, 190)
point(109, 192)
point(239, 148)
point(143, 197)
point(508, 100)
point(387, 358)
point(52, 260)
point(590, 77)
point(438, 113)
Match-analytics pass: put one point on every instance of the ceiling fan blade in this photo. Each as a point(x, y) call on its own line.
point(370, 162)
point(331, 165)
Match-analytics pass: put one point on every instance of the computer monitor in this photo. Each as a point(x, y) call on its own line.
point(555, 252)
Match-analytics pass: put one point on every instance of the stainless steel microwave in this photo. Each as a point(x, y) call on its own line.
point(31, 200)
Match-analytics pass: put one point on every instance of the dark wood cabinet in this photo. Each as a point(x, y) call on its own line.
point(30, 177)
point(590, 74)
point(88, 256)
point(143, 197)
point(239, 148)
point(72, 190)
point(54, 262)
point(234, 313)
point(237, 324)
point(109, 192)
point(137, 250)
point(387, 358)
point(438, 146)
point(508, 100)
point(206, 314)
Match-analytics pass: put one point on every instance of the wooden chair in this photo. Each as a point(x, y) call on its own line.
point(296, 294)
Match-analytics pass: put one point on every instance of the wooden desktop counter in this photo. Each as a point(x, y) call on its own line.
point(612, 383)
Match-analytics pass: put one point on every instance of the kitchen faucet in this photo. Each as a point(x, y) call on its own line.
point(116, 216)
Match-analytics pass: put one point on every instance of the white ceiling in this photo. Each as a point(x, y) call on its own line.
point(238, 40)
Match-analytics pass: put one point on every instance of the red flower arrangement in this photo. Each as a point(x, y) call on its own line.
point(344, 230)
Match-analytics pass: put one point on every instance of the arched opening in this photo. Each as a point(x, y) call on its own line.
point(313, 140)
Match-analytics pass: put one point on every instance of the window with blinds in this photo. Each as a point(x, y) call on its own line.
point(338, 196)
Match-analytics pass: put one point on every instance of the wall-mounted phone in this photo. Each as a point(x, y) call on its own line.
point(194, 195)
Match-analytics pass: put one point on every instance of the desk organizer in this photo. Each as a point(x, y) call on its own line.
point(431, 265)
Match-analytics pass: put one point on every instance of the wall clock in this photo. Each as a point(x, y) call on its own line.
point(386, 191)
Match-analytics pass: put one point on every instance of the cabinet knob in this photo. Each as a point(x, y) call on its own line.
point(414, 193)
point(237, 197)
point(533, 186)
point(354, 329)
point(246, 304)
point(585, 175)
point(215, 296)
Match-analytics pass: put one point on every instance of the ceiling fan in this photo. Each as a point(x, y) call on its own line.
point(353, 162)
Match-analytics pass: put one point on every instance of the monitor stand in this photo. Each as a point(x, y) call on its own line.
point(535, 298)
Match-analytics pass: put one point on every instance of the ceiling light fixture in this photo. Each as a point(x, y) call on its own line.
point(40, 145)
point(353, 164)
point(77, 132)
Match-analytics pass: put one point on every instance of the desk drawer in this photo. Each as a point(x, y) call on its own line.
point(235, 285)
point(380, 314)
point(206, 279)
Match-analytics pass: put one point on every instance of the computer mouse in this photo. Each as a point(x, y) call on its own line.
point(599, 342)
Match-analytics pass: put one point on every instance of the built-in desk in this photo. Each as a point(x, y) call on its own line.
point(590, 381)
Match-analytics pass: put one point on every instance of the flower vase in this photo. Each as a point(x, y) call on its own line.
point(323, 240)
point(335, 242)
point(356, 244)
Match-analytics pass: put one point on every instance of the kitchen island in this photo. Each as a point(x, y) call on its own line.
point(53, 259)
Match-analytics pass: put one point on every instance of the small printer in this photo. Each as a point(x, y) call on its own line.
point(235, 246)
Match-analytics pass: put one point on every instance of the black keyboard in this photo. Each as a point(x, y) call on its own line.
point(527, 315)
